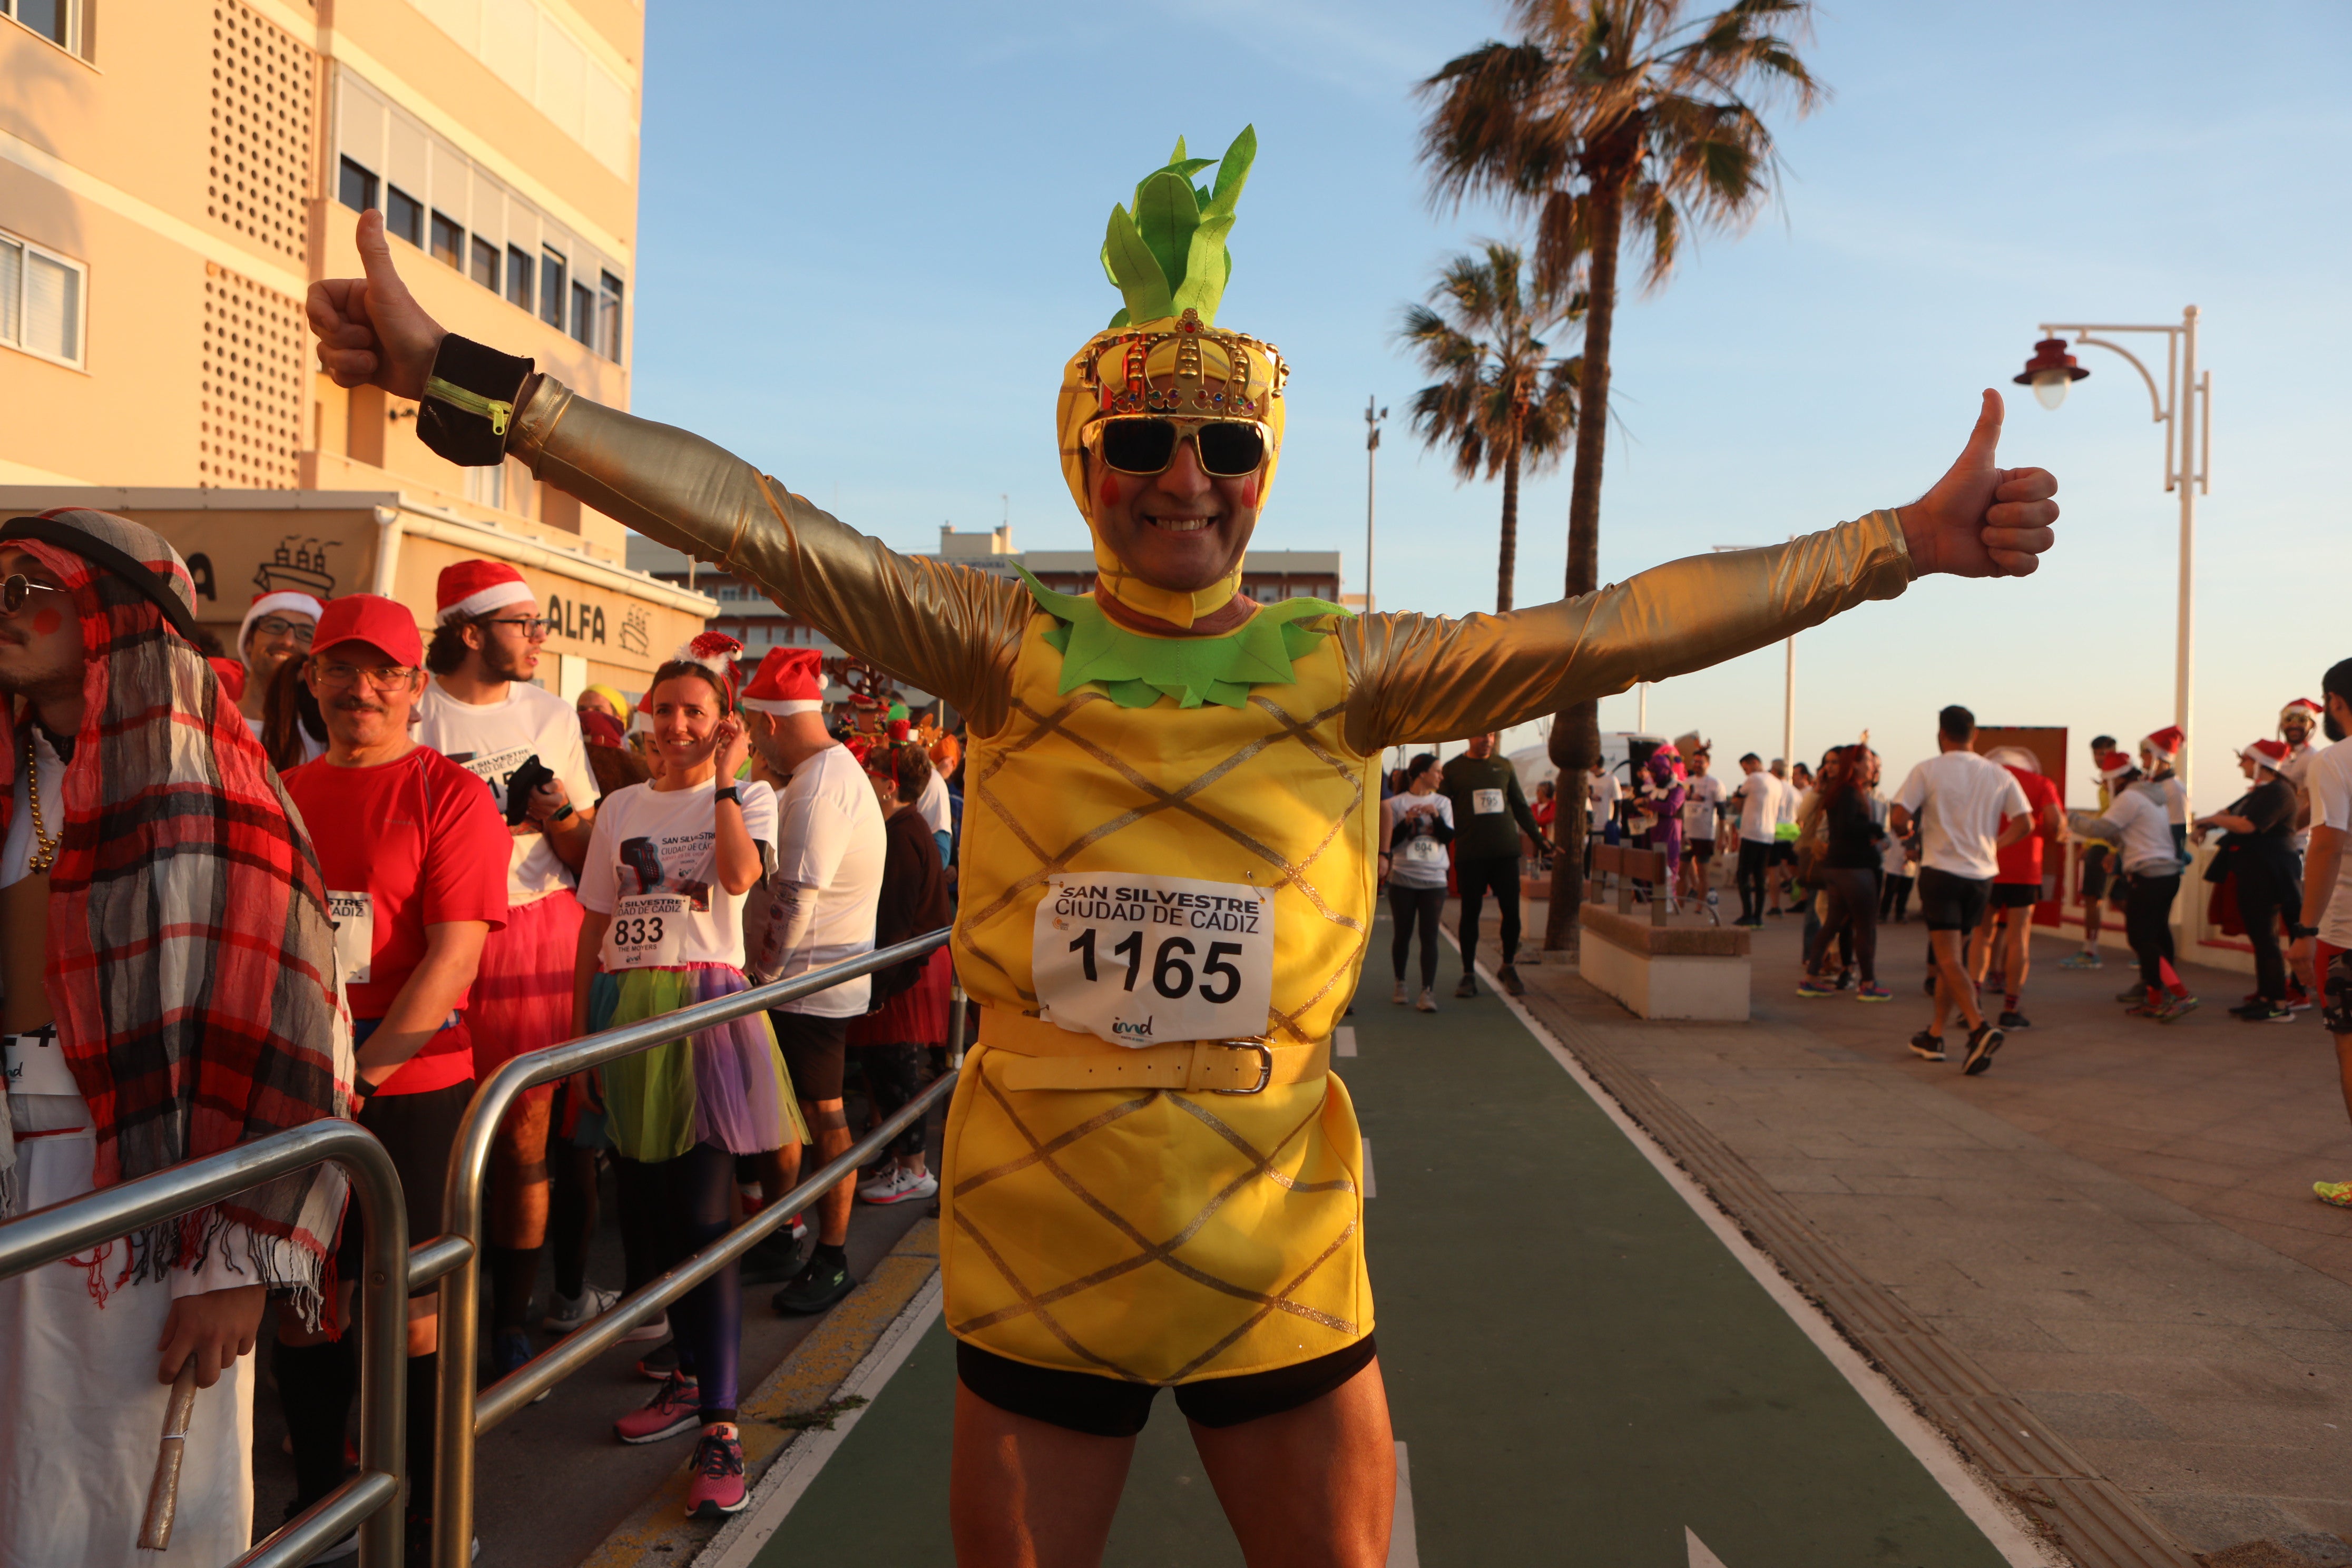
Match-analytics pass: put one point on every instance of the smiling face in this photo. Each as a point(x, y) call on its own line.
point(273, 639)
point(362, 710)
point(41, 653)
point(2297, 728)
point(1180, 530)
point(686, 713)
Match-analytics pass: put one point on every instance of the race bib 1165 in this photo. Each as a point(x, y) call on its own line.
point(1152, 961)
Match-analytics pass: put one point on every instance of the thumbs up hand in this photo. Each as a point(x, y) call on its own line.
point(1980, 520)
point(371, 330)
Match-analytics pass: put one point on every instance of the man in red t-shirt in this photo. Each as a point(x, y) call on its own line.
point(414, 856)
point(2007, 936)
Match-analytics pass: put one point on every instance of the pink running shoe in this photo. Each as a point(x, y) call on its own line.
point(676, 1409)
point(717, 1489)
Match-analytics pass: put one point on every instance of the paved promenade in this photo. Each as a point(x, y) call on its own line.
point(2098, 1265)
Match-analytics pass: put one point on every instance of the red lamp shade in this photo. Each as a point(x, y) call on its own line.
point(2051, 371)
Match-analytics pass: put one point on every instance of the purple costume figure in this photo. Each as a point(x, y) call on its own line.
point(1663, 791)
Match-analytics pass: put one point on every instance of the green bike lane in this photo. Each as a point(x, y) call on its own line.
point(1580, 1370)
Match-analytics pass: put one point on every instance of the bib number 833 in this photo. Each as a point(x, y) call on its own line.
point(637, 930)
point(1172, 975)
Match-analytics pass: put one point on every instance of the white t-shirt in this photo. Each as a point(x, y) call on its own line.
point(2176, 798)
point(650, 865)
point(932, 804)
point(1415, 859)
point(491, 740)
point(1759, 806)
point(1702, 797)
point(829, 837)
point(1791, 802)
point(1959, 799)
point(2296, 771)
point(2330, 782)
point(2137, 814)
point(1602, 794)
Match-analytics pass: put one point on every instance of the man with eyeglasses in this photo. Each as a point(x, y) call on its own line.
point(482, 713)
point(1167, 870)
point(415, 856)
point(278, 627)
point(167, 992)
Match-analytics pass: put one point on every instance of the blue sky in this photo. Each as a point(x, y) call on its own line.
point(869, 243)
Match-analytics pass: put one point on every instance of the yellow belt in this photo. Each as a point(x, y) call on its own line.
point(1039, 1055)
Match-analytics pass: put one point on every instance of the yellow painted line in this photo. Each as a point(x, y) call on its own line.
point(658, 1532)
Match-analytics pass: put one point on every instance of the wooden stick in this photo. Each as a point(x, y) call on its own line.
point(163, 1495)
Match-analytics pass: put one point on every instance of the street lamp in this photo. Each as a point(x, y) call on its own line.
point(1787, 691)
point(1373, 415)
point(2184, 406)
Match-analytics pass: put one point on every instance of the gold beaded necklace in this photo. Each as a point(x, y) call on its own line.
point(44, 849)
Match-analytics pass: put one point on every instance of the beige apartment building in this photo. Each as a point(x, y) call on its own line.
point(174, 175)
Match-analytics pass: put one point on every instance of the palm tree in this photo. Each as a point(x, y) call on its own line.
point(1501, 404)
point(1613, 124)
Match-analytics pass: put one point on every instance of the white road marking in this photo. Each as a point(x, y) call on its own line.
point(740, 1539)
point(1700, 1557)
point(2010, 1535)
point(1370, 1189)
point(1404, 1544)
point(1343, 1041)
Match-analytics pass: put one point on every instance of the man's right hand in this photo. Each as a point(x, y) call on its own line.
point(371, 331)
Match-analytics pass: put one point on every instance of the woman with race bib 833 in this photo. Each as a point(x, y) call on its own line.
point(663, 884)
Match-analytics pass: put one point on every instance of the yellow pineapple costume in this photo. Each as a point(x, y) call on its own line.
point(1168, 861)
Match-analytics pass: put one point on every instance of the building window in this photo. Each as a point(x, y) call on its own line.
point(583, 314)
point(449, 241)
point(356, 189)
point(486, 264)
point(404, 215)
point(552, 288)
point(40, 301)
point(608, 317)
point(60, 21)
point(519, 275)
point(486, 487)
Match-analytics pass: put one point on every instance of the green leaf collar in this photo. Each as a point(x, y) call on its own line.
point(1136, 671)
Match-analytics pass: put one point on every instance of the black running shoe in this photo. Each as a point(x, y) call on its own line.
point(1983, 1041)
point(1469, 987)
point(777, 1257)
point(814, 1288)
point(2012, 1020)
point(1927, 1048)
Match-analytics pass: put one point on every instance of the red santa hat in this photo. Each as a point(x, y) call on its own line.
point(2165, 743)
point(789, 680)
point(476, 588)
point(2311, 711)
point(2271, 754)
point(898, 727)
point(270, 604)
point(2113, 765)
point(714, 651)
point(232, 677)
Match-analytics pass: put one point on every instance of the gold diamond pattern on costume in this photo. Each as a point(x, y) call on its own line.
point(1242, 1249)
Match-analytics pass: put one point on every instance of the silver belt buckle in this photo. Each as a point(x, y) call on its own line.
point(1265, 1065)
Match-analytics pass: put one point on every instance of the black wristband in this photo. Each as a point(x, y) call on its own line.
point(558, 814)
point(728, 793)
point(469, 409)
point(2297, 933)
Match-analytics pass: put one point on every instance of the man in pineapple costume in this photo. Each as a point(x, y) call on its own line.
point(1152, 1178)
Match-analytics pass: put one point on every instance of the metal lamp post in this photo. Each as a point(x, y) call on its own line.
point(1373, 415)
point(1788, 690)
point(2184, 406)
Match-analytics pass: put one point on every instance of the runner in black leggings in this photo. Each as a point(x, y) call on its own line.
point(1848, 872)
point(1414, 828)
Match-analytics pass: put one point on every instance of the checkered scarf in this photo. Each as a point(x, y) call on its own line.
point(190, 963)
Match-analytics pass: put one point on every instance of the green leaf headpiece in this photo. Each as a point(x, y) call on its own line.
point(1169, 254)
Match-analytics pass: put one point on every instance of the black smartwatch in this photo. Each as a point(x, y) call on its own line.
point(2296, 934)
point(728, 793)
point(558, 814)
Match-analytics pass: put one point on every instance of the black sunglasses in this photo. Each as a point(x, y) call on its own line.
point(1146, 445)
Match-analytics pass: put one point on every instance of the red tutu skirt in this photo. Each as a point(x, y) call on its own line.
point(916, 1016)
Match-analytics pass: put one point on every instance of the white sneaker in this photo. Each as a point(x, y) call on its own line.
point(878, 1189)
point(649, 1333)
point(1428, 1003)
point(1398, 996)
point(565, 1313)
point(911, 1187)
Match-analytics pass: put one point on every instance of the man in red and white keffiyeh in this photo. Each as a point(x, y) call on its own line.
point(167, 990)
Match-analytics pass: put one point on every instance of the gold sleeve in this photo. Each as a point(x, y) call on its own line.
point(947, 629)
point(1425, 677)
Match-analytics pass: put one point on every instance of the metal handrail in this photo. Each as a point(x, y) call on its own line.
point(460, 1418)
point(367, 1498)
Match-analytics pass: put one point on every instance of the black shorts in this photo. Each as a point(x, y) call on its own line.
point(815, 1051)
point(2016, 895)
point(1948, 903)
point(417, 1131)
point(1784, 853)
point(2335, 990)
point(1114, 1407)
point(1700, 849)
point(2095, 872)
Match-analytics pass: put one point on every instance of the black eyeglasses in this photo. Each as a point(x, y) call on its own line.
point(533, 630)
point(16, 588)
point(1147, 443)
point(273, 626)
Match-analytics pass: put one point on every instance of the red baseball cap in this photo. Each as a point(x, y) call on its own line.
point(373, 619)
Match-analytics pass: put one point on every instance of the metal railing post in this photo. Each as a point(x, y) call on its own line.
point(369, 1500)
point(458, 1418)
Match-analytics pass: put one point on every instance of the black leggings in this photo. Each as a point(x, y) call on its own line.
point(1853, 893)
point(1476, 876)
point(2263, 893)
point(1752, 858)
point(1409, 906)
point(1894, 897)
point(676, 1208)
point(895, 1074)
point(2147, 924)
